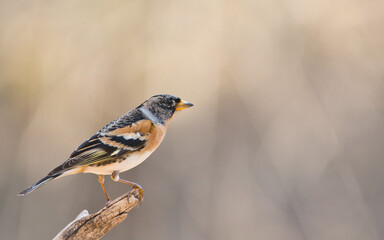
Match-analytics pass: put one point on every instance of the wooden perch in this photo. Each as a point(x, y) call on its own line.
point(96, 225)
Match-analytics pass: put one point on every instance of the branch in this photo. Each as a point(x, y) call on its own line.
point(96, 225)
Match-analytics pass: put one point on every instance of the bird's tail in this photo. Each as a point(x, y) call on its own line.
point(39, 184)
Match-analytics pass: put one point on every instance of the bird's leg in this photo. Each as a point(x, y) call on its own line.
point(115, 177)
point(101, 181)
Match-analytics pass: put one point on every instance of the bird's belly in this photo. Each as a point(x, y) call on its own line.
point(130, 162)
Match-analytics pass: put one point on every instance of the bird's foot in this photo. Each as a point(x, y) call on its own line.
point(108, 203)
point(138, 191)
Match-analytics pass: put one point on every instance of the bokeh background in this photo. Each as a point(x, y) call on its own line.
point(285, 140)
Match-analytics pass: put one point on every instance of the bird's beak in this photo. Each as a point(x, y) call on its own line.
point(183, 105)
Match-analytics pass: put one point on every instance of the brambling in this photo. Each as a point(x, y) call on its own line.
point(122, 144)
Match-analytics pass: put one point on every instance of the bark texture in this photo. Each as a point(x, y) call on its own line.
point(96, 225)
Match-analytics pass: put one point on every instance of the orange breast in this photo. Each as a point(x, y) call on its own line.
point(156, 137)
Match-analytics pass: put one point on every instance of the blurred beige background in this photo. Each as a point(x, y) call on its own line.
point(285, 140)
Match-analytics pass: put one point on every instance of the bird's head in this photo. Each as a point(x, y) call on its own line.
point(162, 107)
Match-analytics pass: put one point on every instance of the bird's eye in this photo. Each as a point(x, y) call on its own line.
point(169, 102)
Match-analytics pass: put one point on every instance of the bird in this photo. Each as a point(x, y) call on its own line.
point(122, 144)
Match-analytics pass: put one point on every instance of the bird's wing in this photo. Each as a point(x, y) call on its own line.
point(109, 144)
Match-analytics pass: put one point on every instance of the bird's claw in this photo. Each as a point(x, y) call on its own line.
point(108, 203)
point(138, 191)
